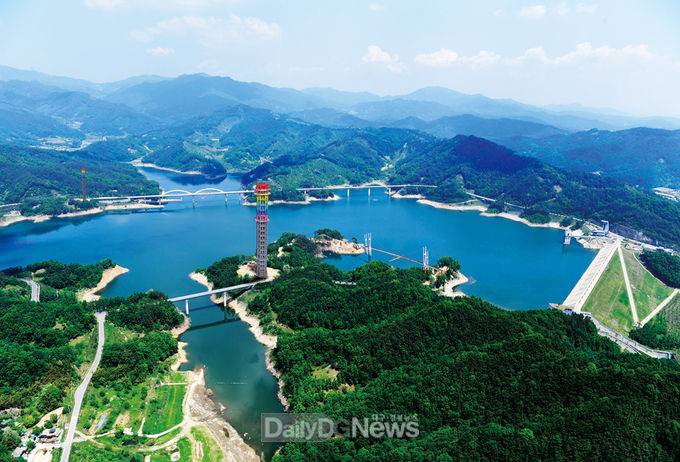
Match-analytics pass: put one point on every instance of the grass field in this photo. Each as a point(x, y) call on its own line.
point(88, 452)
point(671, 314)
point(648, 291)
point(184, 446)
point(608, 301)
point(211, 452)
point(165, 408)
point(123, 406)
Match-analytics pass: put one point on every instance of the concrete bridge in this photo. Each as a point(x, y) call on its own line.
point(208, 293)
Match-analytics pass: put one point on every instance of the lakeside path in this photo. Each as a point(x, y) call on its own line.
point(82, 388)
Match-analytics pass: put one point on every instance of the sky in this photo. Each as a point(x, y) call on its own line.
point(618, 54)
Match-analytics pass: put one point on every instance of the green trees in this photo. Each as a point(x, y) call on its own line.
point(72, 276)
point(223, 273)
point(328, 233)
point(141, 312)
point(133, 360)
point(484, 383)
point(663, 265)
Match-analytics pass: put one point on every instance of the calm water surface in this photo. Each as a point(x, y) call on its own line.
point(509, 264)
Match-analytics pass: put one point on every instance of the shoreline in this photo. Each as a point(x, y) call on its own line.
point(139, 164)
point(9, 220)
point(108, 276)
point(267, 341)
point(483, 212)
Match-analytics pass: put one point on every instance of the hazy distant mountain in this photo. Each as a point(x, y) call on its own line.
point(25, 128)
point(340, 99)
point(643, 156)
point(492, 129)
point(194, 95)
point(78, 110)
point(332, 118)
point(68, 83)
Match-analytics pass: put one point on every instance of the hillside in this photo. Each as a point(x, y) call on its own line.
point(34, 173)
point(474, 164)
point(383, 344)
point(358, 156)
point(641, 156)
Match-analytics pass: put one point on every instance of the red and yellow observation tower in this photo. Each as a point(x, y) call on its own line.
point(261, 221)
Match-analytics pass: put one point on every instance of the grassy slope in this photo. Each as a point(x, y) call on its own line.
point(671, 314)
point(648, 291)
point(608, 301)
point(165, 408)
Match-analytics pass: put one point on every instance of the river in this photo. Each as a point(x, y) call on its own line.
point(508, 263)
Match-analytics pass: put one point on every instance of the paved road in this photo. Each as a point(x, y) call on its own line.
point(82, 388)
point(629, 289)
point(35, 289)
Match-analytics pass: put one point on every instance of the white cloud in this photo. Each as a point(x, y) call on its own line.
point(375, 54)
point(585, 8)
point(160, 51)
point(445, 57)
point(498, 12)
point(210, 30)
point(157, 4)
point(104, 4)
point(582, 53)
point(562, 9)
point(533, 12)
point(440, 58)
point(376, 6)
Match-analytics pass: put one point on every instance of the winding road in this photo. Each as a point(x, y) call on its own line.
point(35, 289)
point(82, 388)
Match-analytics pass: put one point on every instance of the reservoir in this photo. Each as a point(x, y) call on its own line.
point(510, 264)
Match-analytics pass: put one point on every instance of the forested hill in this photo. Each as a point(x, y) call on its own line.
point(474, 164)
point(483, 383)
point(27, 173)
point(640, 156)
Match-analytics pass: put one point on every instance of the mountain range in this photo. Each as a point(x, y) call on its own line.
point(319, 136)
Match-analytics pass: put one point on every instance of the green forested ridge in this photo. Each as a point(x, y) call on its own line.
point(72, 276)
point(494, 171)
point(644, 156)
point(41, 344)
point(663, 265)
point(485, 383)
point(141, 312)
point(34, 344)
point(27, 174)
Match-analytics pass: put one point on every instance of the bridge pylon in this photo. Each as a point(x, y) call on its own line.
point(368, 245)
point(426, 259)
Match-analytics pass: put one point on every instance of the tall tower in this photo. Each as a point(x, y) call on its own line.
point(261, 220)
point(82, 171)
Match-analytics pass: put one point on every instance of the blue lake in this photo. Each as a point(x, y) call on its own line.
point(508, 263)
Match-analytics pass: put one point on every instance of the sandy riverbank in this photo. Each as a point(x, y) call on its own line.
point(200, 410)
point(139, 163)
point(108, 276)
point(483, 212)
point(8, 220)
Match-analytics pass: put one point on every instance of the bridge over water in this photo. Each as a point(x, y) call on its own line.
point(181, 193)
